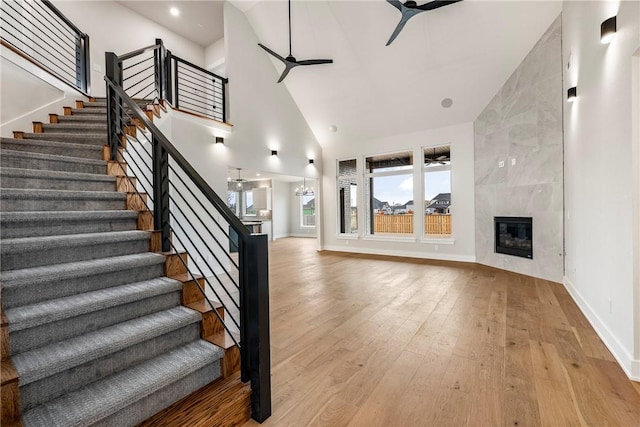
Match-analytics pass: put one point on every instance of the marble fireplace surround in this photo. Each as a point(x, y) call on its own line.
point(519, 161)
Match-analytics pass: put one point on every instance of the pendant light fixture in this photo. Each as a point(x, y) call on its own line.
point(304, 190)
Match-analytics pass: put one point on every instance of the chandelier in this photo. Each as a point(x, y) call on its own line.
point(304, 190)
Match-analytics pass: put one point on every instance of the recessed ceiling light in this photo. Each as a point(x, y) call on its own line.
point(333, 128)
point(446, 103)
point(174, 11)
point(257, 174)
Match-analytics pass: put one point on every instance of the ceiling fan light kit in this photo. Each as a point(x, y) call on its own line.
point(290, 61)
point(410, 8)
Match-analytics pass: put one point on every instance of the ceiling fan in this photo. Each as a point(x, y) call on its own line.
point(290, 61)
point(410, 8)
point(443, 160)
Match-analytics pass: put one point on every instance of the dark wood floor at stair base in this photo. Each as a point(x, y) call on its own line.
point(379, 341)
point(224, 402)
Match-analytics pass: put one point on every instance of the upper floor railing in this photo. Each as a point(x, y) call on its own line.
point(229, 263)
point(153, 72)
point(38, 31)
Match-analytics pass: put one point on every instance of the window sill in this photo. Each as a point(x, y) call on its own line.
point(438, 240)
point(347, 236)
point(308, 227)
point(394, 238)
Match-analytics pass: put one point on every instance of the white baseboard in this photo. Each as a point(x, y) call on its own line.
point(405, 254)
point(630, 366)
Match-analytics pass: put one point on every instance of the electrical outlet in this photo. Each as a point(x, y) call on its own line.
point(513, 161)
point(97, 68)
point(346, 242)
point(501, 164)
point(436, 247)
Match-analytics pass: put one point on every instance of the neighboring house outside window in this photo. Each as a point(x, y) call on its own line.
point(437, 191)
point(347, 197)
point(388, 182)
point(308, 211)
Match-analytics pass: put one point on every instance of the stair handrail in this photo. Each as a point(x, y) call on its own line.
point(253, 248)
point(46, 49)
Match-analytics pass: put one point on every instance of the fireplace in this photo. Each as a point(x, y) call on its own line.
point(514, 236)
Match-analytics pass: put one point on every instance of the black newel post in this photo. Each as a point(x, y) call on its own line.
point(254, 304)
point(161, 193)
point(113, 73)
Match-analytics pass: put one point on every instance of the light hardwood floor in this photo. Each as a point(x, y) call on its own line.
point(377, 341)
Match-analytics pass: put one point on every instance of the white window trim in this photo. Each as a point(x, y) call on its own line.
point(424, 237)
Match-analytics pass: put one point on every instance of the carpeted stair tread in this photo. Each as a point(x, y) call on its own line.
point(60, 356)
point(47, 174)
point(92, 274)
point(54, 157)
point(68, 149)
point(97, 127)
point(63, 308)
point(94, 138)
point(82, 118)
point(29, 252)
point(89, 111)
point(23, 199)
point(27, 160)
point(106, 397)
point(49, 223)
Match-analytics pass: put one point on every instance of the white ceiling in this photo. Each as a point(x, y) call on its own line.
point(464, 51)
point(199, 21)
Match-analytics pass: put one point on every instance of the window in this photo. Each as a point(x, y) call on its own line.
point(308, 211)
point(347, 196)
point(232, 201)
point(389, 193)
point(437, 191)
point(248, 204)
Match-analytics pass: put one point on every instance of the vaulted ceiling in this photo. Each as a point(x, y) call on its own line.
point(464, 52)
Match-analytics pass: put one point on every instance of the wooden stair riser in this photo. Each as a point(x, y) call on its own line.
point(155, 242)
point(145, 221)
point(38, 127)
point(116, 168)
point(126, 184)
point(231, 360)
point(17, 134)
point(136, 202)
point(130, 130)
point(67, 111)
point(191, 291)
point(53, 119)
point(106, 154)
point(4, 338)
point(9, 393)
point(79, 104)
point(175, 263)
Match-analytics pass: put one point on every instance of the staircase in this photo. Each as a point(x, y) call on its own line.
point(94, 332)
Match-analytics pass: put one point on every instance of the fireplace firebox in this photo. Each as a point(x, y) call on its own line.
point(514, 236)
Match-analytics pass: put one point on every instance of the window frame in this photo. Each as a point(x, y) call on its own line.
point(302, 215)
point(434, 238)
point(355, 178)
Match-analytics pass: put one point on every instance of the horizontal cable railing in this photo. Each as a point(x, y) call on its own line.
point(197, 90)
point(38, 31)
point(192, 218)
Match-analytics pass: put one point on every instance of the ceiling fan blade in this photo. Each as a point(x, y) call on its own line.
point(287, 68)
point(272, 52)
point(399, 28)
point(436, 4)
point(315, 61)
point(395, 3)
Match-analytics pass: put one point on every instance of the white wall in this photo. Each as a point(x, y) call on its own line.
point(27, 94)
point(598, 173)
point(280, 209)
point(214, 55)
point(114, 28)
point(264, 115)
point(460, 137)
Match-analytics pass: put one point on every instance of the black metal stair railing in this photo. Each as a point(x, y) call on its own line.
point(38, 31)
point(193, 218)
point(154, 73)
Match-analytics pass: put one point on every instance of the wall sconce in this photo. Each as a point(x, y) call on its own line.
point(219, 140)
point(311, 161)
point(608, 29)
point(572, 94)
point(274, 152)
